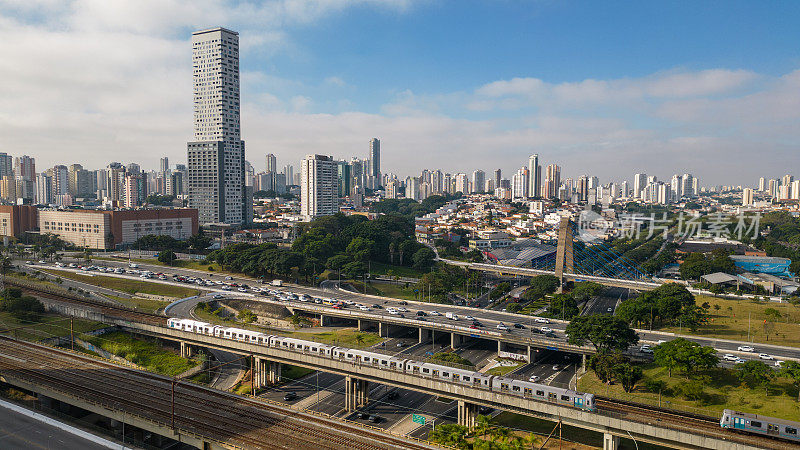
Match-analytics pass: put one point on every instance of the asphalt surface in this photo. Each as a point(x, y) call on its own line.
point(606, 303)
point(18, 431)
point(489, 319)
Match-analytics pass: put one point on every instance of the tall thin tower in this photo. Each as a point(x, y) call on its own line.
point(216, 156)
point(535, 176)
point(375, 162)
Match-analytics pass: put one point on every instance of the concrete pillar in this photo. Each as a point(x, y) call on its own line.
point(362, 392)
point(361, 325)
point(424, 335)
point(349, 397)
point(383, 329)
point(583, 362)
point(499, 347)
point(466, 414)
point(454, 340)
point(274, 372)
point(529, 354)
point(186, 350)
point(610, 442)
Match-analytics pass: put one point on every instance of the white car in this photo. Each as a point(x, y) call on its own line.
point(766, 356)
point(469, 317)
point(646, 349)
point(541, 320)
point(546, 330)
point(392, 311)
point(401, 309)
point(779, 363)
point(533, 378)
point(745, 348)
point(434, 313)
point(364, 308)
point(740, 361)
point(349, 302)
point(502, 326)
point(729, 357)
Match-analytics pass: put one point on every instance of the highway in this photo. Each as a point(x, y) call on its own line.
point(18, 431)
point(488, 319)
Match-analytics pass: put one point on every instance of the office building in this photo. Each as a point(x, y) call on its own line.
point(462, 183)
point(374, 171)
point(747, 197)
point(344, 177)
point(6, 168)
point(639, 183)
point(552, 181)
point(319, 186)
point(216, 156)
point(101, 229)
point(534, 176)
point(272, 163)
point(25, 167)
point(478, 181)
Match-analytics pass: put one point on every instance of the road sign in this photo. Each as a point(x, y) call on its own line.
point(416, 418)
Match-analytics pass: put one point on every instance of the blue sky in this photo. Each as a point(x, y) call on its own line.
point(601, 88)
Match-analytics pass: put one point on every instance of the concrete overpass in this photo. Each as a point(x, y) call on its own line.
point(612, 423)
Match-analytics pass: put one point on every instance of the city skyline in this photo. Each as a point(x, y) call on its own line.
point(296, 98)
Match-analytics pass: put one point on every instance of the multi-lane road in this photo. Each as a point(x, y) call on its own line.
point(489, 319)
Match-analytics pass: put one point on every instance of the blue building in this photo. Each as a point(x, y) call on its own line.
point(763, 264)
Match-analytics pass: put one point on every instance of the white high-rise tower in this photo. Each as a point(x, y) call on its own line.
point(319, 186)
point(216, 157)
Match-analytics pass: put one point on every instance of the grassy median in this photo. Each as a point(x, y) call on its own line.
point(143, 352)
point(132, 287)
point(46, 326)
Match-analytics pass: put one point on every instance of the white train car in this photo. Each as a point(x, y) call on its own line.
point(460, 376)
point(371, 358)
point(544, 393)
point(238, 334)
point(289, 343)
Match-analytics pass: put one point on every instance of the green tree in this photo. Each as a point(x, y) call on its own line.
point(627, 375)
point(360, 249)
point(791, 370)
point(563, 306)
point(585, 290)
point(683, 354)
point(755, 373)
point(167, 257)
point(336, 262)
point(513, 307)
point(541, 285)
point(423, 258)
point(603, 364)
point(604, 332)
point(450, 434)
point(23, 307)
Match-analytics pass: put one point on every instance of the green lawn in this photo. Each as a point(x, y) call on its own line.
point(48, 325)
point(732, 319)
point(126, 285)
point(395, 290)
point(379, 268)
point(502, 370)
point(721, 389)
point(143, 352)
point(141, 304)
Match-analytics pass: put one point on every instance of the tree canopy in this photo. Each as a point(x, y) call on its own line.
point(604, 332)
point(668, 304)
point(683, 354)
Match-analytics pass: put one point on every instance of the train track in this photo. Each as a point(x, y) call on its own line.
point(224, 417)
point(683, 421)
point(106, 309)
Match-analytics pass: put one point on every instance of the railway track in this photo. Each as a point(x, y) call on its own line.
point(224, 417)
point(109, 310)
point(683, 421)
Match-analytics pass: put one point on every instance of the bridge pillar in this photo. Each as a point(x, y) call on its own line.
point(274, 372)
point(564, 254)
point(466, 414)
point(186, 350)
point(356, 393)
point(322, 320)
point(361, 325)
point(424, 335)
point(610, 442)
point(529, 354)
point(383, 329)
point(456, 340)
point(499, 347)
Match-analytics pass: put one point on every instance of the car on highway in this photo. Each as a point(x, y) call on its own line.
point(745, 348)
point(404, 303)
point(541, 320)
point(646, 349)
point(766, 356)
point(364, 308)
point(502, 326)
point(226, 288)
point(374, 418)
point(401, 309)
point(391, 310)
point(556, 367)
point(377, 306)
point(435, 313)
point(533, 378)
point(361, 415)
point(242, 289)
point(469, 317)
point(740, 361)
point(519, 325)
point(421, 313)
point(476, 323)
point(546, 330)
point(729, 357)
point(218, 296)
point(289, 396)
